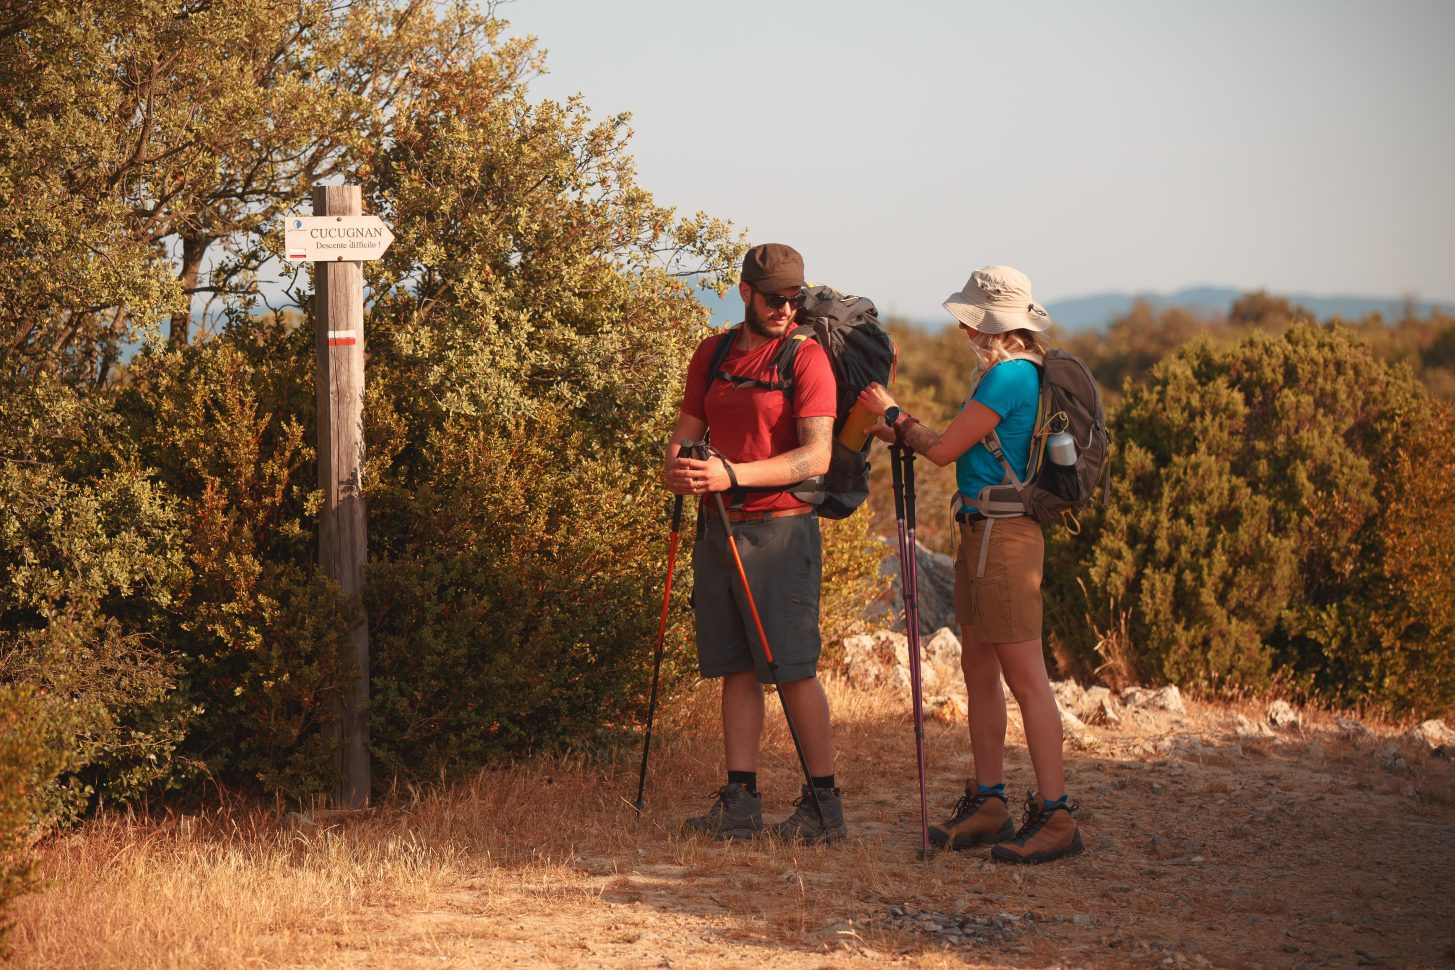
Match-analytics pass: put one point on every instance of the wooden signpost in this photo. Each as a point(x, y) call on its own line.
point(336, 237)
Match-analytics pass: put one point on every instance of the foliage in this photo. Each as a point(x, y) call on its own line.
point(27, 764)
point(1132, 344)
point(258, 632)
point(851, 581)
point(1251, 509)
point(483, 639)
point(143, 139)
point(89, 563)
point(1409, 666)
point(528, 334)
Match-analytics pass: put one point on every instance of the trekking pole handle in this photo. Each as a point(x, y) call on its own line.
point(896, 455)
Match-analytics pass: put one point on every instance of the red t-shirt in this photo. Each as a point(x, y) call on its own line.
point(753, 423)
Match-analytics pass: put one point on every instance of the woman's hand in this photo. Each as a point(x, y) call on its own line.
point(882, 431)
point(876, 399)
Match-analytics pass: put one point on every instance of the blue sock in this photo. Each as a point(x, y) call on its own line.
point(1048, 804)
point(992, 789)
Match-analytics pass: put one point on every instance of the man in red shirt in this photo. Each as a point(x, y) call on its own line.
point(773, 438)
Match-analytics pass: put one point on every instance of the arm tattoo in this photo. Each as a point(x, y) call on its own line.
point(919, 438)
point(813, 436)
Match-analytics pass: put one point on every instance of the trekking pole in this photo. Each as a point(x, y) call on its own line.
point(661, 637)
point(903, 481)
point(699, 450)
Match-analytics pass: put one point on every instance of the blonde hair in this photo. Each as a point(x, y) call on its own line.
point(992, 348)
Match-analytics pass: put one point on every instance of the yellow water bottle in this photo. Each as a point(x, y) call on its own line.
point(856, 427)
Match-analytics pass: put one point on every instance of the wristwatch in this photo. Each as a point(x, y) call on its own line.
point(891, 415)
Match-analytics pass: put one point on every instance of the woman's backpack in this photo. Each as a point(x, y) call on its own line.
point(1070, 400)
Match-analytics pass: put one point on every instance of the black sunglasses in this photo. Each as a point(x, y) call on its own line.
point(776, 302)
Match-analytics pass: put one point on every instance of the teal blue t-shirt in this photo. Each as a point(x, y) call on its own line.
point(1010, 389)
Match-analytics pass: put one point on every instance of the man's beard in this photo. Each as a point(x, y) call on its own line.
point(758, 324)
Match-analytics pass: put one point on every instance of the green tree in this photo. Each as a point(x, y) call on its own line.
point(27, 764)
point(527, 339)
point(1250, 515)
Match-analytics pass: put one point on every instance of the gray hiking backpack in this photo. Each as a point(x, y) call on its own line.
point(1069, 403)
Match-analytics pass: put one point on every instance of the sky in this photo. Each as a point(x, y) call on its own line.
point(1300, 146)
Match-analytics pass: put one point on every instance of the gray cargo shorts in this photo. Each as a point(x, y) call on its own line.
point(783, 559)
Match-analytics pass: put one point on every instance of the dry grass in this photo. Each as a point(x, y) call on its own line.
point(1232, 854)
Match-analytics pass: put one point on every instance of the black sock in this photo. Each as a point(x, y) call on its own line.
point(826, 781)
point(748, 779)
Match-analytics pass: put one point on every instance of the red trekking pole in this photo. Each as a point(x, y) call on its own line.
point(661, 636)
point(909, 592)
point(700, 450)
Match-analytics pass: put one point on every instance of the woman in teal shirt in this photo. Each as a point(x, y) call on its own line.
point(997, 571)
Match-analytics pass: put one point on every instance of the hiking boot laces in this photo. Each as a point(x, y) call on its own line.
point(968, 805)
point(1036, 816)
point(804, 805)
point(719, 802)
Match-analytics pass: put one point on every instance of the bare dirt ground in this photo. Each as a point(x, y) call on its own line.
point(1210, 842)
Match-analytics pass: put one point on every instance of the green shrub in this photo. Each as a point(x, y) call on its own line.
point(1250, 516)
point(258, 631)
point(851, 581)
point(27, 765)
point(91, 555)
point(518, 600)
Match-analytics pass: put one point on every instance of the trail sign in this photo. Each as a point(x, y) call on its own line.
point(335, 238)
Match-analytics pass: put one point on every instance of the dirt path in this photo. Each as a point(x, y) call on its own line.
point(1299, 849)
point(1209, 843)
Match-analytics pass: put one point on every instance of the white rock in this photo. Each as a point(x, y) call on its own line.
point(1251, 730)
point(1182, 745)
point(1105, 711)
point(1071, 721)
point(1068, 693)
point(942, 648)
point(1281, 715)
point(1434, 734)
point(899, 679)
point(869, 658)
point(929, 679)
point(1168, 698)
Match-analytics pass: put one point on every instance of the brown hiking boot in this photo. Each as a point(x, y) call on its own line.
point(1045, 834)
point(805, 826)
point(737, 814)
point(977, 820)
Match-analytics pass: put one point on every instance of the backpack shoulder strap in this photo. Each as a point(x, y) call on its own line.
point(719, 353)
point(992, 440)
point(788, 354)
point(782, 361)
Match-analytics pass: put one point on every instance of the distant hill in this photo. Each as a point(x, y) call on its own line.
point(1091, 312)
point(1094, 312)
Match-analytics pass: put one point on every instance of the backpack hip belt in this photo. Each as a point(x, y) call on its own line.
point(990, 509)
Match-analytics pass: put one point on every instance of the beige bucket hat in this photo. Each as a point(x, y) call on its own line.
point(996, 299)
